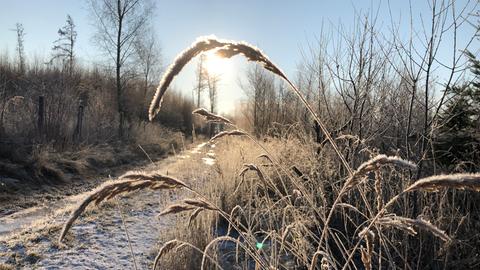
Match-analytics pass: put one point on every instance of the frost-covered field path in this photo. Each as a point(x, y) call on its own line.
point(98, 239)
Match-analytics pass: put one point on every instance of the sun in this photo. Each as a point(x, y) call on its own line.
point(215, 64)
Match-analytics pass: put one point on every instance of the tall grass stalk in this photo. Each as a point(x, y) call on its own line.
point(228, 49)
point(432, 183)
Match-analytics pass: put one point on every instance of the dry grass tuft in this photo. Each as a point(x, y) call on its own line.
point(456, 181)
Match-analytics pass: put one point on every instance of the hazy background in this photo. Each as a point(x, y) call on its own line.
point(282, 29)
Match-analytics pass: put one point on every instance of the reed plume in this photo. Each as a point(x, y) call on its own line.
point(456, 181)
point(200, 203)
point(228, 133)
point(127, 183)
point(177, 244)
point(154, 176)
point(374, 164)
point(325, 265)
point(356, 177)
point(224, 48)
point(407, 224)
point(389, 221)
point(228, 49)
point(194, 215)
point(252, 167)
point(210, 117)
point(267, 157)
point(167, 247)
point(175, 209)
point(367, 253)
point(241, 244)
point(187, 205)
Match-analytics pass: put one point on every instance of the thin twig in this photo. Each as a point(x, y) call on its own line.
point(126, 233)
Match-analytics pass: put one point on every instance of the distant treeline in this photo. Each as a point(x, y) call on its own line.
point(57, 101)
point(417, 97)
point(45, 103)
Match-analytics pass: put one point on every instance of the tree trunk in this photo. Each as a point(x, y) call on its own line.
point(41, 117)
point(118, 71)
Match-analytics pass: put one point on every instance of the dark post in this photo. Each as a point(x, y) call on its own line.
point(210, 129)
point(193, 132)
point(41, 115)
point(78, 129)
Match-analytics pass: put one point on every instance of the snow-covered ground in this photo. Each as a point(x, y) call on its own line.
point(98, 239)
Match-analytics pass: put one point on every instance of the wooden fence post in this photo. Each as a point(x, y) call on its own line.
point(41, 116)
point(193, 132)
point(78, 129)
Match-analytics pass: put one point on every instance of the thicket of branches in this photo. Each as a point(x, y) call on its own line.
point(415, 96)
point(382, 97)
point(80, 104)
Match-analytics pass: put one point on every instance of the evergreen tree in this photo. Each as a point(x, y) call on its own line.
point(458, 140)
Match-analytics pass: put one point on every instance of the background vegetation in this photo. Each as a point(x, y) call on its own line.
point(397, 109)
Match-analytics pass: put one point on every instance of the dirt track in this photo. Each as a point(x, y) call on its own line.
point(97, 240)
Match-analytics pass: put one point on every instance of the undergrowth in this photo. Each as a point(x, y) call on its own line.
point(290, 203)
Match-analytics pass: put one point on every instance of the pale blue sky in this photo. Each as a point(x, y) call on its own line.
point(280, 28)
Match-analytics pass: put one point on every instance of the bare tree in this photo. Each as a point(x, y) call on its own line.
point(148, 57)
point(201, 81)
point(260, 90)
point(20, 46)
point(119, 23)
point(212, 83)
point(63, 48)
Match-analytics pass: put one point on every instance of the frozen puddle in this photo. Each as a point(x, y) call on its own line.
point(197, 149)
point(209, 161)
point(210, 156)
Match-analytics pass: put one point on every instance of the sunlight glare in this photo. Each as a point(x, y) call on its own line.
point(215, 64)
